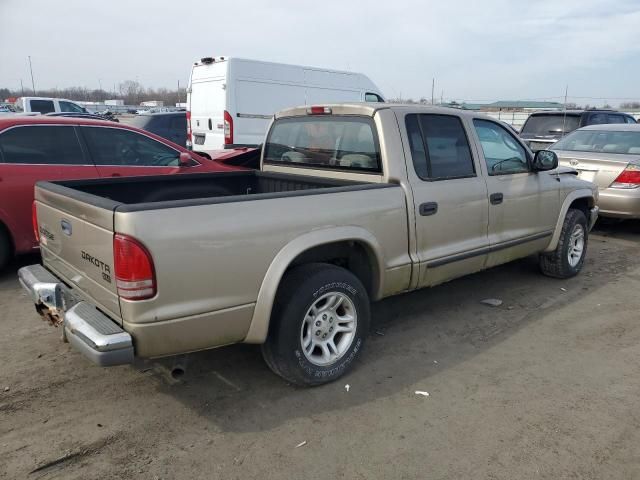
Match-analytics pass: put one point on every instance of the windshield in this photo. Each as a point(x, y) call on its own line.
point(600, 141)
point(334, 142)
point(550, 124)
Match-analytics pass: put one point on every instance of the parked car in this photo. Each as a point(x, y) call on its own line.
point(86, 116)
point(543, 129)
point(609, 156)
point(230, 101)
point(353, 203)
point(169, 125)
point(47, 105)
point(40, 147)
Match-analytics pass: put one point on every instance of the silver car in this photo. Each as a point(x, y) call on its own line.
point(609, 156)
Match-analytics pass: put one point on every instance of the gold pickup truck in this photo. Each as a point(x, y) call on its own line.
point(352, 203)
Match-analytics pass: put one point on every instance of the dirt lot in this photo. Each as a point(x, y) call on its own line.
point(544, 386)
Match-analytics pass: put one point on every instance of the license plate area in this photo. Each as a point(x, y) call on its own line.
point(198, 139)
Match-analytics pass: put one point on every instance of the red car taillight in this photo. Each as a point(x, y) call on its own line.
point(135, 275)
point(228, 128)
point(34, 221)
point(629, 178)
point(189, 139)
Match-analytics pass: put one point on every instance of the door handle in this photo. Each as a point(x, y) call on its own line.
point(428, 208)
point(496, 198)
point(210, 125)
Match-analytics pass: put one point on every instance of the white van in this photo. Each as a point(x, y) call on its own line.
point(230, 101)
point(47, 105)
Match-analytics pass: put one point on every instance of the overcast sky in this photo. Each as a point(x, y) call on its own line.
point(477, 51)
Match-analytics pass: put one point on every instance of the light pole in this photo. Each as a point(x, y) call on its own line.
point(33, 84)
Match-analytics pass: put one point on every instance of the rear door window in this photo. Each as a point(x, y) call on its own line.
point(120, 147)
point(41, 145)
point(332, 142)
point(615, 118)
point(598, 118)
point(439, 147)
point(42, 106)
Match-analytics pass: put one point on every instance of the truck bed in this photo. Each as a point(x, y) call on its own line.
point(166, 191)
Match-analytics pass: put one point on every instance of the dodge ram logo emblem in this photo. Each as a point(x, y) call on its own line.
point(573, 162)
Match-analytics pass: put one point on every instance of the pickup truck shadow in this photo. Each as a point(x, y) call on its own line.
point(413, 337)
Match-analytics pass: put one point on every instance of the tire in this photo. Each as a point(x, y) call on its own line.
point(557, 264)
point(6, 248)
point(317, 286)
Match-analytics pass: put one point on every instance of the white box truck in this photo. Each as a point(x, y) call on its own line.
point(230, 101)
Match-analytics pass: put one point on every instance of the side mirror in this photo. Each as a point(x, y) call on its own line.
point(545, 160)
point(185, 160)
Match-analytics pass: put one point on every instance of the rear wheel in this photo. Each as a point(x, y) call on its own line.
point(568, 257)
point(318, 326)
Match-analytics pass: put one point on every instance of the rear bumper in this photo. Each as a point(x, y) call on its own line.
point(620, 202)
point(88, 330)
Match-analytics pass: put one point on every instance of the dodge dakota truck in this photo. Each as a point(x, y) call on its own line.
point(352, 203)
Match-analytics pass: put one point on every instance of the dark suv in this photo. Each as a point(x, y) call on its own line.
point(169, 125)
point(542, 129)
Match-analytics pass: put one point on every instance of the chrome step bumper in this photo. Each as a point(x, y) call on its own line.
point(87, 329)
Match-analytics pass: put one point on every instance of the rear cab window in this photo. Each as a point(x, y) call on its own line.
point(335, 142)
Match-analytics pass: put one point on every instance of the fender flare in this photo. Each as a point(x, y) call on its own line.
point(259, 327)
point(575, 195)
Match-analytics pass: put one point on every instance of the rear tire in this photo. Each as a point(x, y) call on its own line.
point(318, 326)
point(568, 258)
point(6, 248)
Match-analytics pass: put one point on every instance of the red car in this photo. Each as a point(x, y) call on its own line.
point(34, 148)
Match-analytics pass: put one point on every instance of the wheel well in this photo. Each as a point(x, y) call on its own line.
point(583, 204)
point(354, 256)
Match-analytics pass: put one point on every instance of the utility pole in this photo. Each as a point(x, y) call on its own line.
point(178, 91)
point(564, 117)
point(433, 86)
point(441, 97)
point(22, 87)
point(33, 84)
point(100, 83)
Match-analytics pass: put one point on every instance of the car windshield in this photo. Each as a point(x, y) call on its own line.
point(550, 124)
point(600, 141)
point(333, 142)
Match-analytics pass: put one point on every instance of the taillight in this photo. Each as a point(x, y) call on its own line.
point(189, 140)
point(228, 128)
point(629, 178)
point(34, 221)
point(319, 111)
point(135, 275)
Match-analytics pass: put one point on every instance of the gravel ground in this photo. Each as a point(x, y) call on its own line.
point(544, 386)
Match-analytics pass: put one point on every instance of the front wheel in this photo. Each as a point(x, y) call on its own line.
point(318, 326)
point(568, 258)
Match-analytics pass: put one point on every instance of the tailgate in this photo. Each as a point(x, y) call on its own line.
point(76, 242)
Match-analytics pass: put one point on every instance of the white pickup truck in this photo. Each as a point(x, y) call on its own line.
point(353, 203)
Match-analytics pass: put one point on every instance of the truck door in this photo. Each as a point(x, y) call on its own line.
point(523, 204)
point(450, 198)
